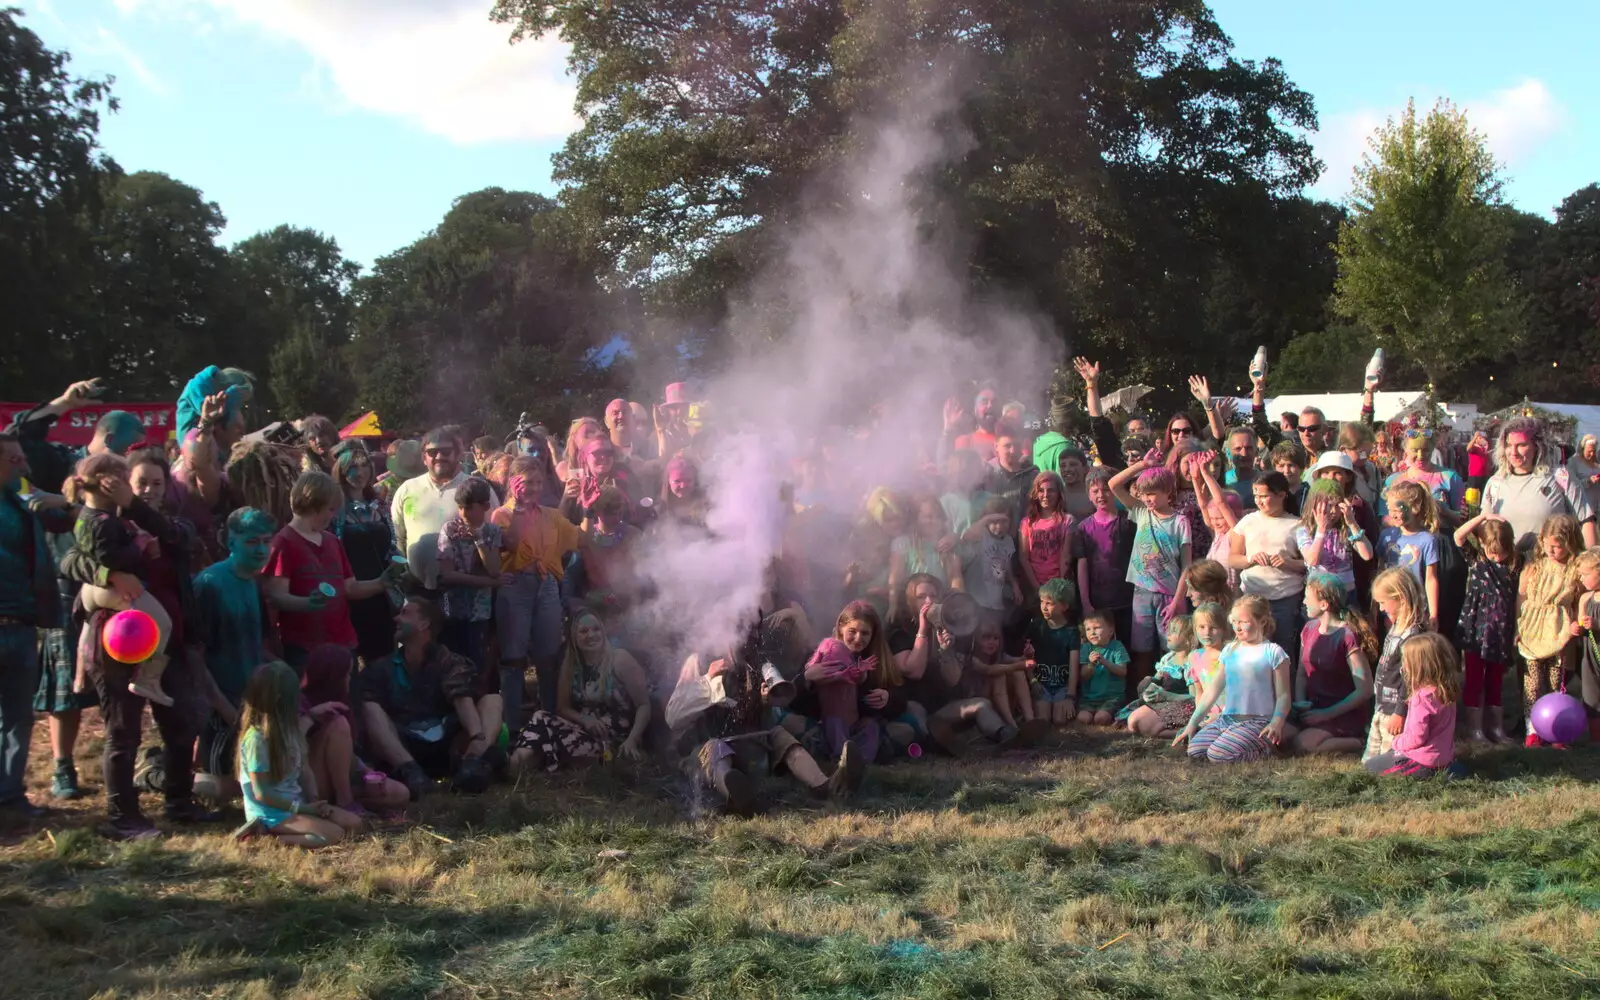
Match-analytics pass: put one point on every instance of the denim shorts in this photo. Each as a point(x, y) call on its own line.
point(1148, 635)
point(1052, 693)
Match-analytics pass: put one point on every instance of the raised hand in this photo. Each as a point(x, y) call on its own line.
point(78, 393)
point(1200, 388)
point(1087, 370)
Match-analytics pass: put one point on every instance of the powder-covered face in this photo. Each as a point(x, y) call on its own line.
point(1101, 496)
point(681, 483)
point(1245, 628)
point(1208, 631)
point(1096, 632)
point(856, 636)
point(359, 472)
point(1047, 494)
point(249, 552)
point(1316, 607)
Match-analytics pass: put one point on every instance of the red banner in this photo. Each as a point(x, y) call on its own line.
point(76, 427)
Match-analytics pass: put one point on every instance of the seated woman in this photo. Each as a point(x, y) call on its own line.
point(602, 705)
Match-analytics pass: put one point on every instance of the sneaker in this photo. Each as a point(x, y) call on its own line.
point(472, 776)
point(130, 831)
point(252, 829)
point(192, 812)
point(150, 692)
point(847, 775)
point(1005, 734)
point(412, 776)
point(64, 784)
point(1532, 740)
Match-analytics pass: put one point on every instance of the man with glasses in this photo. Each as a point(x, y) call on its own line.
point(421, 506)
point(1316, 436)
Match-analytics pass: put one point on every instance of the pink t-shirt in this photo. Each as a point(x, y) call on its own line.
point(305, 565)
point(1047, 537)
point(1429, 737)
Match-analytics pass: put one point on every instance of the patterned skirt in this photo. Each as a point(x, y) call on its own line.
point(560, 741)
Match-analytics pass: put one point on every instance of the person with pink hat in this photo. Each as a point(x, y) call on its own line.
point(672, 431)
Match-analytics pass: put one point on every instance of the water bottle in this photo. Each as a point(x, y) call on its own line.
point(1258, 364)
point(1375, 368)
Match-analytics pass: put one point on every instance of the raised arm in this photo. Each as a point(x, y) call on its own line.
point(1119, 483)
point(1200, 387)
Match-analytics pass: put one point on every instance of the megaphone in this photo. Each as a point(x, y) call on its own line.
point(956, 614)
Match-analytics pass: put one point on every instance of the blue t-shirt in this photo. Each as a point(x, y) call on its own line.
point(1247, 674)
point(1052, 652)
point(1157, 561)
point(227, 620)
point(1096, 682)
point(253, 759)
point(1415, 551)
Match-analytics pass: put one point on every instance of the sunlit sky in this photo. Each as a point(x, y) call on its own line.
point(365, 118)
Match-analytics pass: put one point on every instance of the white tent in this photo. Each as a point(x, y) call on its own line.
point(1343, 406)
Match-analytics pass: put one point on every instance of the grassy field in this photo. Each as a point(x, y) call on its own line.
point(1110, 870)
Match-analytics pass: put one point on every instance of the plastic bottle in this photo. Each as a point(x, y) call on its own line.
point(1375, 368)
point(1258, 364)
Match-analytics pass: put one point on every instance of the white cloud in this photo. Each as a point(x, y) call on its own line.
point(441, 64)
point(107, 41)
point(1516, 122)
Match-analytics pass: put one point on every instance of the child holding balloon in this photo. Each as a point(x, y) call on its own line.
point(114, 534)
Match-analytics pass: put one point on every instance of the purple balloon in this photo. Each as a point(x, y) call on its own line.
point(1559, 718)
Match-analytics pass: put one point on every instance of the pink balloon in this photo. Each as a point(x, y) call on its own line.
point(130, 637)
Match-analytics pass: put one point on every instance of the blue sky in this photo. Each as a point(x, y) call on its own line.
point(364, 118)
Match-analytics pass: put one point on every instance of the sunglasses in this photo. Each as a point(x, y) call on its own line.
point(1310, 428)
point(1415, 433)
point(1183, 430)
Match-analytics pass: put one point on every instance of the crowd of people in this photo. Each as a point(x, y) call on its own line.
point(342, 632)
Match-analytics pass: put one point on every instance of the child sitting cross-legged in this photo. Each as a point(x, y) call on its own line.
point(1167, 698)
point(1102, 667)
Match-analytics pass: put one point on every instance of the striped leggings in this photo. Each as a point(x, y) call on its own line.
point(1231, 739)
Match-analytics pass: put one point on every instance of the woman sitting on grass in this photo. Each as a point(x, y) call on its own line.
point(602, 704)
point(276, 772)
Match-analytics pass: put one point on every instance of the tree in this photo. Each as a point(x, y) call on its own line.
point(50, 180)
point(1422, 256)
point(157, 289)
point(502, 287)
point(294, 289)
point(1122, 164)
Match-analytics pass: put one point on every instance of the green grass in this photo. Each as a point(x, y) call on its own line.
point(1120, 872)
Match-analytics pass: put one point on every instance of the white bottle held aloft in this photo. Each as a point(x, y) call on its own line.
point(1375, 368)
point(1258, 364)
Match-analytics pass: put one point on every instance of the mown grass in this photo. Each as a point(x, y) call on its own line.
point(1116, 871)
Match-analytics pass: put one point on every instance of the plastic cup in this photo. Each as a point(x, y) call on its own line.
point(326, 590)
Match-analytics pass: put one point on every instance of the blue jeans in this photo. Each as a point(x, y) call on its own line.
point(1288, 618)
point(528, 620)
point(19, 680)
